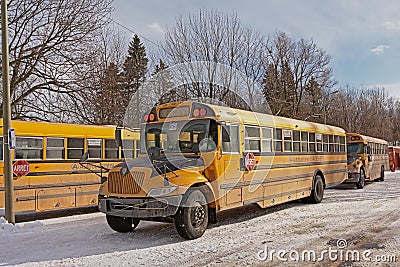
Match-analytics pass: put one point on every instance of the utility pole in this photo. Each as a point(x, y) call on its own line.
point(8, 177)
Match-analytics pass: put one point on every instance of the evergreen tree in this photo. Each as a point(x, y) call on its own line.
point(134, 71)
point(160, 67)
point(279, 89)
point(109, 98)
point(135, 66)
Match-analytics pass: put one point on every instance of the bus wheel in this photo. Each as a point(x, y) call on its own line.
point(382, 178)
point(122, 224)
point(317, 192)
point(361, 182)
point(191, 220)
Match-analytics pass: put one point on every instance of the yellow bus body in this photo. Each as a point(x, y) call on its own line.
point(277, 177)
point(370, 160)
point(56, 180)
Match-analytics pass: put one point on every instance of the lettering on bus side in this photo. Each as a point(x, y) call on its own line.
point(311, 158)
point(106, 165)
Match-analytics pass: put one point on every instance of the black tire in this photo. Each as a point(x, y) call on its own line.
point(361, 183)
point(382, 178)
point(191, 220)
point(317, 192)
point(122, 224)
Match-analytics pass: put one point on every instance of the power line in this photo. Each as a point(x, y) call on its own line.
point(132, 31)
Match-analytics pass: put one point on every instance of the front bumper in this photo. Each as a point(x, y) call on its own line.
point(352, 178)
point(140, 207)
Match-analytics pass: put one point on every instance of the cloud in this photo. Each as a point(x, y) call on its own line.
point(379, 50)
point(156, 27)
point(392, 25)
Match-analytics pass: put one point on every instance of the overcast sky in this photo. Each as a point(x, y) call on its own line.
point(363, 36)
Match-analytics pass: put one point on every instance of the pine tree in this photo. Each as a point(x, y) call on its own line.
point(134, 74)
point(108, 98)
point(135, 66)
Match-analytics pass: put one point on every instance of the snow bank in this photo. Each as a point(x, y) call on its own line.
point(7, 228)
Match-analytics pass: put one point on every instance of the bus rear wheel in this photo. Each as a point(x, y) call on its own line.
point(317, 193)
point(382, 178)
point(191, 220)
point(361, 182)
point(122, 224)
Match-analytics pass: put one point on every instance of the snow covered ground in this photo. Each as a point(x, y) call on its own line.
point(368, 220)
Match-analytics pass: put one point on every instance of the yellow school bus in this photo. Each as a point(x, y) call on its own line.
point(367, 159)
point(50, 153)
point(198, 159)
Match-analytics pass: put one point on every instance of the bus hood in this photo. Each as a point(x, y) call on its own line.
point(163, 164)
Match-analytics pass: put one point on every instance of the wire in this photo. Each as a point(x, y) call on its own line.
point(132, 31)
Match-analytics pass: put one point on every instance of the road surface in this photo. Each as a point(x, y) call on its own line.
point(351, 222)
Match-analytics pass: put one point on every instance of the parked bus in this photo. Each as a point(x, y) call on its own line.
point(197, 159)
point(50, 152)
point(367, 159)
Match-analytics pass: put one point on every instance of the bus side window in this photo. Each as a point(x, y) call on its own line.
point(287, 135)
point(29, 148)
point(111, 149)
point(225, 136)
point(296, 141)
point(319, 142)
point(312, 142)
point(326, 143)
point(75, 148)
point(342, 144)
point(331, 144)
point(337, 149)
point(252, 138)
point(266, 144)
point(230, 138)
point(304, 141)
point(278, 140)
point(94, 147)
point(368, 149)
point(55, 148)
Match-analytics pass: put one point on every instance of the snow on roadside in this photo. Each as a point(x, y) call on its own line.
point(7, 228)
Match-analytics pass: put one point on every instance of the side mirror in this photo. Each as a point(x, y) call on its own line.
point(84, 157)
point(369, 158)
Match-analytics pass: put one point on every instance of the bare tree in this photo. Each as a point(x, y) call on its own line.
point(215, 38)
point(99, 97)
point(367, 111)
point(51, 46)
point(297, 72)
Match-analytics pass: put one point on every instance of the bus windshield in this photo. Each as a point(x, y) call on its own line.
point(355, 148)
point(181, 136)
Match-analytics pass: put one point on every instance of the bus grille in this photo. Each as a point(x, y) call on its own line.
point(131, 183)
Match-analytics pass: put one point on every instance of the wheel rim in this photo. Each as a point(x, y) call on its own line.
point(197, 215)
point(318, 189)
point(362, 178)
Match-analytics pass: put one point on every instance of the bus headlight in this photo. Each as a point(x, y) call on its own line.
point(158, 192)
